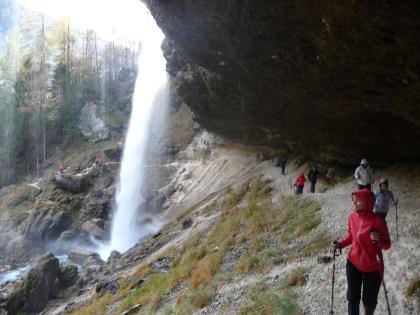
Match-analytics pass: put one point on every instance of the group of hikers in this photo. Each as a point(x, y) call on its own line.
point(300, 180)
point(368, 235)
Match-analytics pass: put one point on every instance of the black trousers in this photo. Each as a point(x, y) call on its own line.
point(313, 187)
point(371, 282)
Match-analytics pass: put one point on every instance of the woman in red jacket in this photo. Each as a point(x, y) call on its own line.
point(300, 182)
point(368, 236)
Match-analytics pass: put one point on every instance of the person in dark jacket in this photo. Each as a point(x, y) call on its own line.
point(368, 235)
point(300, 182)
point(281, 162)
point(312, 177)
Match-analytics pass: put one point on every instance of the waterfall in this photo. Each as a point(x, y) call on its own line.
point(148, 104)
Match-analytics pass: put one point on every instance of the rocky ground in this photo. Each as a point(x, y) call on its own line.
point(203, 178)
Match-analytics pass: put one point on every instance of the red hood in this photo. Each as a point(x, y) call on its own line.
point(367, 197)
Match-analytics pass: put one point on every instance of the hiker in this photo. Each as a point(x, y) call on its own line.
point(368, 236)
point(98, 160)
point(384, 198)
point(61, 168)
point(266, 155)
point(300, 182)
point(364, 175)
point(312, 177)
point(281, 162)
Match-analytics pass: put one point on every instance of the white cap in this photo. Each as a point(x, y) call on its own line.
point(364, 161)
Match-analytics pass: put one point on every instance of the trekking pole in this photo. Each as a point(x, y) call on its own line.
point(335, 253)
point(396, 218)
point(386, 298)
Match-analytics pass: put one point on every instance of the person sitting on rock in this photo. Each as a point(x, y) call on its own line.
point(383, 198)
point(313, 177)
point(364, 175)
point(300, 183)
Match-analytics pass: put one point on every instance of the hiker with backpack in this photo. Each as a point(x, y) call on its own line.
point(383, 198)
point(299, 183)
point(364, 175)
point(313, 177)
point(368, 236)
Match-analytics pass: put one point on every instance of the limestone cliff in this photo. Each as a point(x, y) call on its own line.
point(334, 80)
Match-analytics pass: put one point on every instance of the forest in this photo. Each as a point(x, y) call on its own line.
point(49, 70)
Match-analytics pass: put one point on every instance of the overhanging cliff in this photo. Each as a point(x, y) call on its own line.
point(335, 80)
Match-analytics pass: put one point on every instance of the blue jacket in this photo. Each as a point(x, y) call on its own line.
point(383, 200)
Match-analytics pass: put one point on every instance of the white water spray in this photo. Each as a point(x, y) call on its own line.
point(149, 98)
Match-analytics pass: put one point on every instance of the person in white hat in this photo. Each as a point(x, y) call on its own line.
point(364, 175)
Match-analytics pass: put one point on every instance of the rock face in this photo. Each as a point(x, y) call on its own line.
point(43, 282)
point(333, 80)
point(45, 225)
point(92, 127)
point(72, 183)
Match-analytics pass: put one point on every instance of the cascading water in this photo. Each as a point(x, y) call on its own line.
point(148, 102)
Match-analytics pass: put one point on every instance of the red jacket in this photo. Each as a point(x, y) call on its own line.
point(364, 254)
point(300, 180)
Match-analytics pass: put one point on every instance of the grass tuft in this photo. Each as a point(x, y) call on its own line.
point(413, 287)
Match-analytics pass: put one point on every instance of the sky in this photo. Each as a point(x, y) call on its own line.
point(111, 19)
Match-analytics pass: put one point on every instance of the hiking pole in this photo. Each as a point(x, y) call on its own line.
point(335, 253)
point(386, 298)
point(396, 218)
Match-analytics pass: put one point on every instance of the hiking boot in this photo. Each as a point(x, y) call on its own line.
point(369, 310)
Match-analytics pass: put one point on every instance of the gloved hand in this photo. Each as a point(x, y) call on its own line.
point(335, 246)
point(374, 236)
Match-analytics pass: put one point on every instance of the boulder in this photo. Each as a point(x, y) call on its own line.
point(86, 259)
point(91, 125)
point(95, 227)
point(107, 285)
point(114, 256)
point(73, 184)
point(68, 276)
point(45, 281)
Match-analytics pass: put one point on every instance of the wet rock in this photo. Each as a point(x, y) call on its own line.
point(68, 235)
point(90, 261)
point(37, 288)
point(95, 228)
point(45, 225)
point(68, 276)
point(91, 125)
